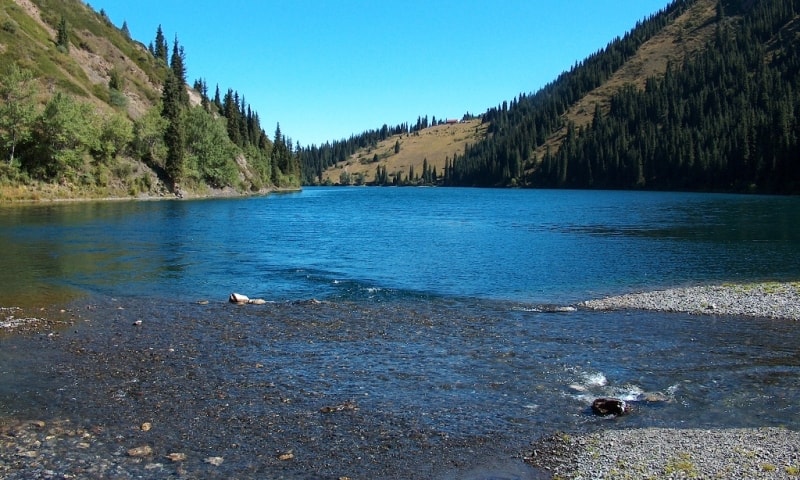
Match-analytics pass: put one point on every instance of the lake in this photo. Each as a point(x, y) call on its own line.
point(415, 318)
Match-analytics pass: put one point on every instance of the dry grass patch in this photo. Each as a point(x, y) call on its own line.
point(436, 144)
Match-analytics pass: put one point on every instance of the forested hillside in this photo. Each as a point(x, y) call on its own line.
point(87, 111)
point(724, 119)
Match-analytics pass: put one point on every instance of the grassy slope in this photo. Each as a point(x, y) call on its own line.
point(435, 144)
point(97, 47)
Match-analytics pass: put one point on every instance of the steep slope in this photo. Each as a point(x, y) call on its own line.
point(687, 35)
point(27, 38)
point(81, 115)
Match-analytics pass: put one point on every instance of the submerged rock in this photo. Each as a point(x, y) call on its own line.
point(143, 451)
point(610, 406)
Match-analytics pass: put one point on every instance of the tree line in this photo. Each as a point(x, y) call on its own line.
point(518, 127)
point(725, 119)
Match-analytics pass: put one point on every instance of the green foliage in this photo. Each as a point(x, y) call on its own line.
point(116, 134)
point(148, 138)
point(17, 109)
point(63, 135)
point(211, 153)
point(9, 26)
point(724, 120)
point(73, 142)
point(62, 35)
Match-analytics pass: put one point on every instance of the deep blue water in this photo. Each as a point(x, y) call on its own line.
point(429, 322)
point(521, 245)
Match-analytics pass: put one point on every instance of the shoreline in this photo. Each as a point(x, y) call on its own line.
point(670, 453)
point(777, 300)
point(147, 197)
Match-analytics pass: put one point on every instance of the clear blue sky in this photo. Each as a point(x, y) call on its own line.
point(328, 69)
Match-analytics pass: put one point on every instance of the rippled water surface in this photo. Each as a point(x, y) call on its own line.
point(426, 351)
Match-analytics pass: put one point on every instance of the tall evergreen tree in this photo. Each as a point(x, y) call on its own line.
point(175, 100)
point(62, 34)
point(177, 65)
point(160, 47)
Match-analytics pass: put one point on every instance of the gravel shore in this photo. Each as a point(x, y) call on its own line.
point(674, 453)
point(767, 300)
point(769, 453)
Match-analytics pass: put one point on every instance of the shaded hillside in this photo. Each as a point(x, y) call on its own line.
point(723, 120)
point(87, 111)
point(701, 96)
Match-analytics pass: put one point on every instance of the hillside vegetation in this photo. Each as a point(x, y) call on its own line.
point(87, 111)
point(703, 95)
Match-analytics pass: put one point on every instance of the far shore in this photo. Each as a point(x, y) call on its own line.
point(57, 196)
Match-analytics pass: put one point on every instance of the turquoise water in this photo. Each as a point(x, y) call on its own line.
point(428, 321)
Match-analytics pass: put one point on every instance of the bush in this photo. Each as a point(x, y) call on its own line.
point(9, 26)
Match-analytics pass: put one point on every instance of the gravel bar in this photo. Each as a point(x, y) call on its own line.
point(770, 453)
point(767, 300)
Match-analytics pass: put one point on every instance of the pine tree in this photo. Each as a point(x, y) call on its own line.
point(62, 35)
point(160, 48)
point(125, 30)
point(179, 71)
point(175, 100)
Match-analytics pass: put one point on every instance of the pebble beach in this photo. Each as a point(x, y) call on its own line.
point(766, 300)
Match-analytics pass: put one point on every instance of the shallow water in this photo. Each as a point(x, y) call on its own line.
point(428, 354)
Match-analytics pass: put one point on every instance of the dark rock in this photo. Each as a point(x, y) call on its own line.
point(610, 406)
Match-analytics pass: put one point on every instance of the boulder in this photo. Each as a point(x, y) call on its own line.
point(610, 406)
point(238, 298)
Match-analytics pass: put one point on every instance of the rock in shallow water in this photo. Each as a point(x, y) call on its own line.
point(610, 406)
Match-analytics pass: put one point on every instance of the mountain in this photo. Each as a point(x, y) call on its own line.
point(87, 111)
point(703, 95)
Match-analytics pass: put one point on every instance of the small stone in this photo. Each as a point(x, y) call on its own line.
point(146, 426)
point(28, 454)
point(143, 451)
point(137, 323)
point(216, 461)
point(84, 445)
point(286, 456)
point(177, 457)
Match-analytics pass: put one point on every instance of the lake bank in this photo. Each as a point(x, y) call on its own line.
point(766, 300)
point(671, 453)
